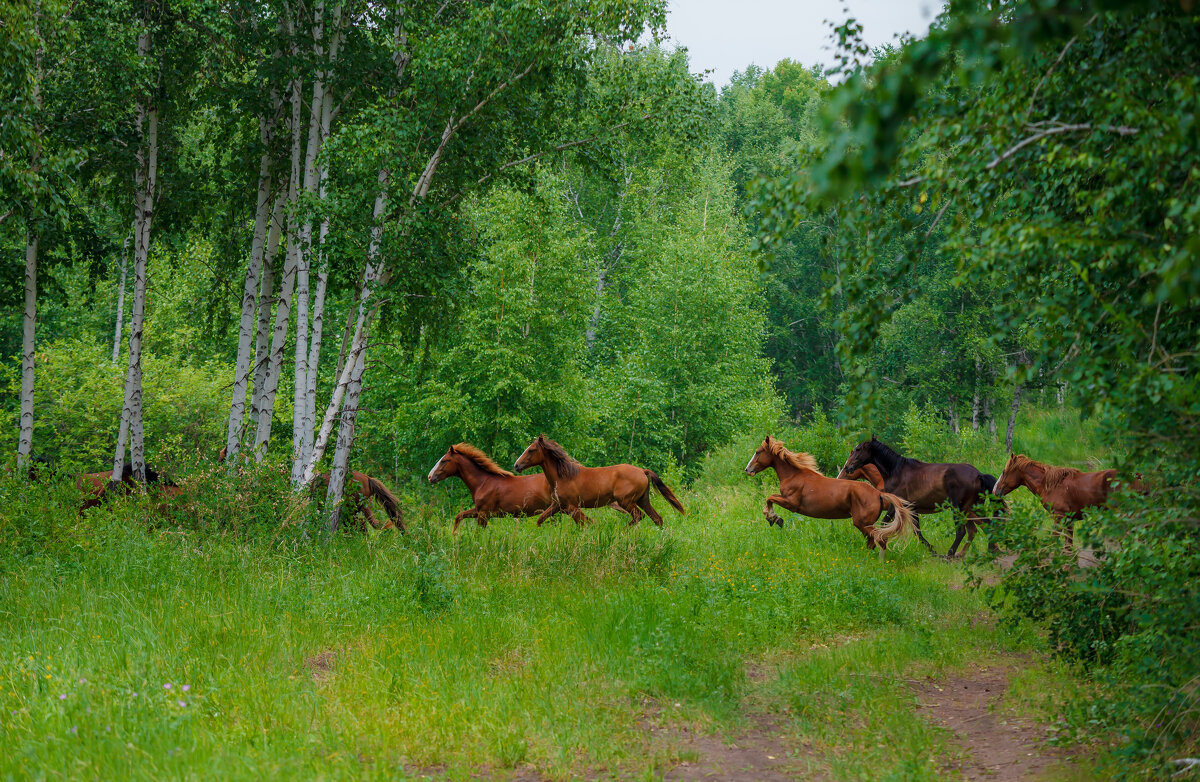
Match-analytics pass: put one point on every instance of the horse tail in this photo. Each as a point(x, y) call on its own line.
point(667, 494)
point(388, 500)
point(900, 525)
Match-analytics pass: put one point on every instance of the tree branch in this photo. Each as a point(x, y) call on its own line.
point(1043, 131)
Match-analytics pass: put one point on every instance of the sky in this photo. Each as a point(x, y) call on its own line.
point(727, 35)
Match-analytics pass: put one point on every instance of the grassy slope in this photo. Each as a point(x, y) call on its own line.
point(500, 648)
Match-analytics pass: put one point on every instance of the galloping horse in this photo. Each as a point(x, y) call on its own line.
point(926, 486)
point(367, 488)
point(1064, 491)
point(494, 490)
point(574, 487)
point(804, 490)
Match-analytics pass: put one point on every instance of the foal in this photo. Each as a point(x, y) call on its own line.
point(1064, 491)
point(804, 490)
point(574, 487)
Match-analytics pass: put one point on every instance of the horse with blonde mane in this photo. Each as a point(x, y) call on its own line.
point(494, 490)
point(574, 487)
point(1064, 491)
point(804, 490)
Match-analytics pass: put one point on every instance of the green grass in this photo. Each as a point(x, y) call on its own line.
point(503, 648)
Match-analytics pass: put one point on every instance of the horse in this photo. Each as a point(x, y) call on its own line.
point(804, 490)
point(494, 490)
point(927, 487)
point(96, 485)
point(368, 488)
point(869, 473)
point(574, 487)
point(1064, 491)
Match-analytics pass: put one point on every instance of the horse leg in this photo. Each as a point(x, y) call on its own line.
point(865, 523)
point(630, 507)
point(548, 512)
point(579, 516)
point(772, 516)
point(462, 515)
point(482, 519)
point(644, 504)
point(960, 529)
point(368, 515)
point(917, 528)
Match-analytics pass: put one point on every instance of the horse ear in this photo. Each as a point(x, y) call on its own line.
point(451, 450)
point(541, 438)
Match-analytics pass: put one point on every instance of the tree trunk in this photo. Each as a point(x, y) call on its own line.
point(356, 363)
point(975, 400)
point(145, 178)
point(121, 301)
point(28, 352)
point(952, 412)
point(1012, 418)
point(241, 372)
point(283, 306)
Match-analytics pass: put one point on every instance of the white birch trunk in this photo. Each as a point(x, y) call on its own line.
point(262, 339)
point(373, 276)
point(246, 330)
point(121, 301)
point(28, 353)
point(145, 177)
point(283, 307)
point(1012, 418)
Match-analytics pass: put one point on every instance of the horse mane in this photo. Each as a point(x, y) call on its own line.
point(890, 458)
point(798, 459)
point(567, 466)
point(481, 459)
point(1052, 476)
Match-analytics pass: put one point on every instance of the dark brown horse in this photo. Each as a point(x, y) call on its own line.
point(494, 491)
point(1064, 491)
point(928, 487)
point(804, 490)
point(360, 490)
point(574, 487)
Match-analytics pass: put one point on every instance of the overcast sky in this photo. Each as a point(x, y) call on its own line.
point(727, 35)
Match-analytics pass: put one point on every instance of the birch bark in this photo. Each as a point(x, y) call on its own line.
point(262, 216)
point(121, 301)
point(283, 306)
point(28, 352)
point(145, 178)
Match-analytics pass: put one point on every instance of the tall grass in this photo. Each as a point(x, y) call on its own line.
point(136, 650)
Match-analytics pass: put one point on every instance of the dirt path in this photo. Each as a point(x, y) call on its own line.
point(759, 753)
point(994, 746)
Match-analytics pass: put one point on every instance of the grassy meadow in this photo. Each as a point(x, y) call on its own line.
point(130, 650)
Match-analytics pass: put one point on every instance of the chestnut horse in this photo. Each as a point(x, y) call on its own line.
point(494, 490)
point(1064, 491)
point(360, 489)
point(574, 487)
point(96, 485)
point(927, 486)
point(804, 490)
point(869, 473)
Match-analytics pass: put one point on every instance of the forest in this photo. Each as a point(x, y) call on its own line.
point(255, 243)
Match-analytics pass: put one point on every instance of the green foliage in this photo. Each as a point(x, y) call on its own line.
point(78, 399)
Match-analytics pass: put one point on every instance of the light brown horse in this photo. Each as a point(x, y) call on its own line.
point(574, 487)
point(360, 490)
point(869, 473)
point(1064, 491)
point(804, 490)
point(494, 490)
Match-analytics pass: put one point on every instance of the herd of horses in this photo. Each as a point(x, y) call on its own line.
point(875, 481)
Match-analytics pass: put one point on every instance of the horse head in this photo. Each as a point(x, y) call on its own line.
point(445, 467)
point(858, 457)
point(1010, 477)
point(534, 455)
point(761, 459)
